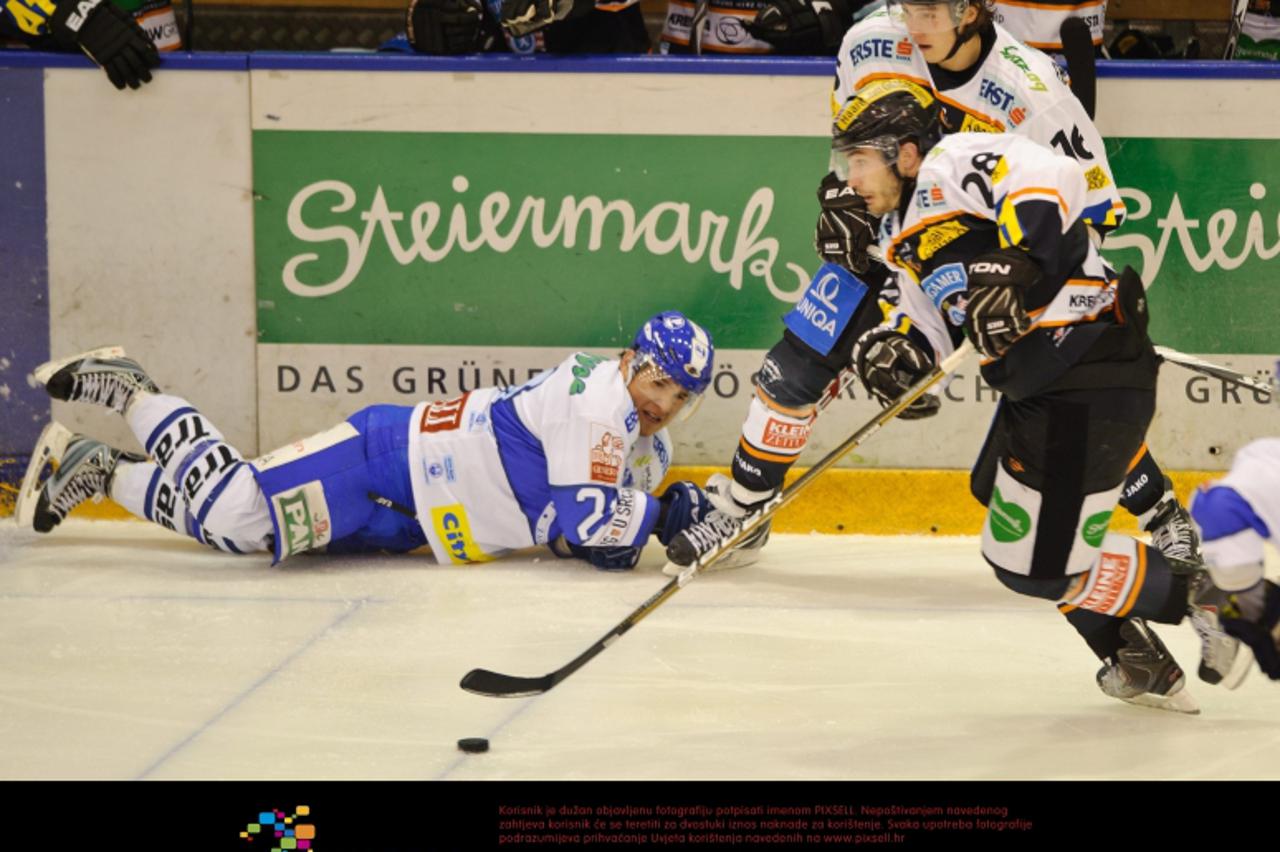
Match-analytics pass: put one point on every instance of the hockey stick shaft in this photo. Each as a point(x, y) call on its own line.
point(1238, 10)
point(498, 685)
point(1225, 374)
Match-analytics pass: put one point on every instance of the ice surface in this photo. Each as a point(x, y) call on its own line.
point(129, 652)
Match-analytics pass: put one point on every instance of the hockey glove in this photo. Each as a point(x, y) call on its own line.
point(802, 27)
point(109, 36)
point(993, 315)
point(521, 17)
point(888, 363)
point(682, 505)
point(604, 558)
point(447, 27)
point(1260, 631)
point(845, 229)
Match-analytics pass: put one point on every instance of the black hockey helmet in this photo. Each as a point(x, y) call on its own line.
point(883, 115)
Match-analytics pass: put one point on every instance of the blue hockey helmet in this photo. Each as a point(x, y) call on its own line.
point(679, 347)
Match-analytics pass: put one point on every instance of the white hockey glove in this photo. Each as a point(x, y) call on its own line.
point(993, 315)
point(888, 363)
point(521, 17)
point(845, 229)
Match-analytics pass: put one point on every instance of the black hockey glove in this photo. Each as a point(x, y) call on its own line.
point(888, 362)
point(803, 27)
point(994, 316)
point(604, 558)
point(521, 17)
point(1259, 632)
point(448, 27)
point(845, 229)
point(109, 36)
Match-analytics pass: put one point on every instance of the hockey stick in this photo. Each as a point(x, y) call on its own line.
point(498, 685)
point(1077, 49)
point(1194, 364)
point(1234, 27)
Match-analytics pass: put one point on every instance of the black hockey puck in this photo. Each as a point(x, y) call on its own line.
point(473, 745)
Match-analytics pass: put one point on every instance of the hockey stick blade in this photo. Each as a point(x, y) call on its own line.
point(1225, 374)
point(498, 685)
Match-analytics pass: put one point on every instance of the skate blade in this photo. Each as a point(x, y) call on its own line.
point(45, 371)
point(731, 560)
point(50, 446)
point(1177, 702)
point(1240, 668)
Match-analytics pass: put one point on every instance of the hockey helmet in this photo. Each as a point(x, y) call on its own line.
point(929, 16)
point(678, 347)
point(883, 115)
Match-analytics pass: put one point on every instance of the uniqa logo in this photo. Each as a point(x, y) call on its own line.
point(667, 227)
point(1219, 229)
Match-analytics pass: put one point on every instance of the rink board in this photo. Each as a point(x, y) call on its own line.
point(482, 217)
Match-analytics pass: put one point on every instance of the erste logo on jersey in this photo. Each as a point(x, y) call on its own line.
point(605, 454)
point(880, 48)
point(1002, 99)
point(929, 196)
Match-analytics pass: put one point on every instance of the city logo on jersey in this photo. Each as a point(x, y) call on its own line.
point(443, 416)
point(1109, 581)
point(303, 518)
point(935, 237)
point(1009, 521)
point(1094, 528)
point(945, 282)
point(782, 435)
point(1015, 59)
point(605, 454)
point(454, 530)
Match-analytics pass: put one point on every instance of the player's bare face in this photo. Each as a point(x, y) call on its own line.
point(657, 398)
point(871, 177)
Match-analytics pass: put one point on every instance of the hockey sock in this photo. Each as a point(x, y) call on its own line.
point(1100, 632)
point(200, 485)
point(1129, 579)
point(772, 439)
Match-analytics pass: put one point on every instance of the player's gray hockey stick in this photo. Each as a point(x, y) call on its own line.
point(1234, 27)
point(1190, 362)
point(496, 684)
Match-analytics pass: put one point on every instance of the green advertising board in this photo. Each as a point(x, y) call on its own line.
point(568, 240)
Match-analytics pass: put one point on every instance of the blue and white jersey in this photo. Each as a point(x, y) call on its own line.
point(501, 469)
point(1239, 512)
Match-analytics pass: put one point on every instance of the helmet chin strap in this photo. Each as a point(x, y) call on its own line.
point(963, 34)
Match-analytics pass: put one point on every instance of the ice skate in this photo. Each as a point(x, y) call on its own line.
point(1172, 531)
point(723, 522)
point(105, 377)
point(83, 473)
point(1145, 673)
point(1223, 659)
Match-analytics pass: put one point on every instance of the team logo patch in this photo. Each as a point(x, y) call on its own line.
point(942, 285)
point(1108, 584)
point(782, 435)
point(973, 124)
point(451, 525)
point(936, 237)
point(443, 416)
point(1097, 178)
point(606, 454)
point(303, 517)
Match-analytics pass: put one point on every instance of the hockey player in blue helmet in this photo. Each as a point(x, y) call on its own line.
point(571, 459)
